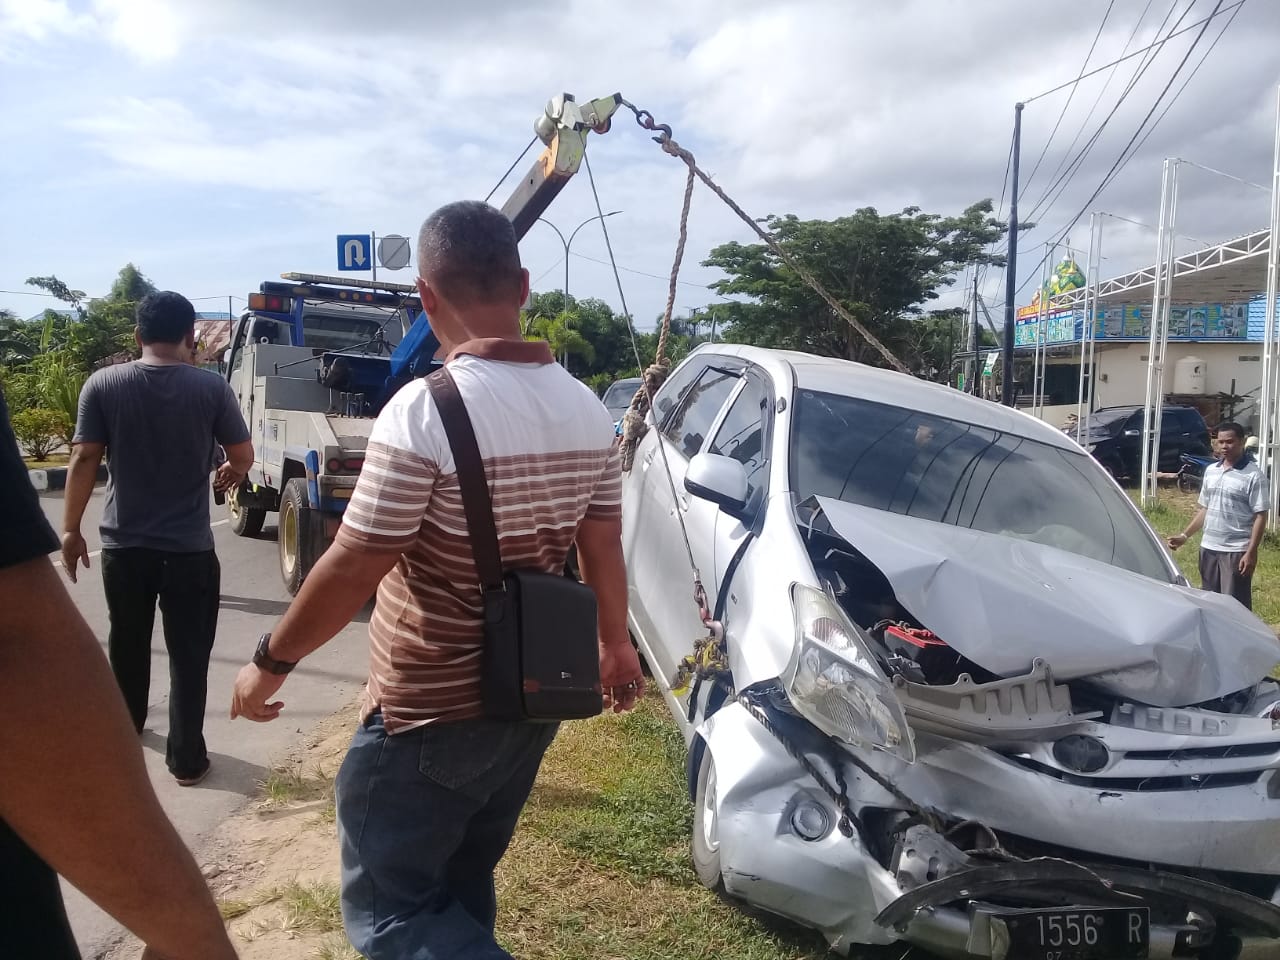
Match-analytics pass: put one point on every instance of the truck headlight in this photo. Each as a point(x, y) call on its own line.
point(833, 679)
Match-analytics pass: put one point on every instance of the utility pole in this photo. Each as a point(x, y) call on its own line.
point(1011, 269)
point(972, 371)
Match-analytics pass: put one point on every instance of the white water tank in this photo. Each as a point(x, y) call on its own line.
point(1188, 375)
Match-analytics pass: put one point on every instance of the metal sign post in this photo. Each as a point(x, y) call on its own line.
point(1159, 341)
point(1267, 426)
point(1087, 330)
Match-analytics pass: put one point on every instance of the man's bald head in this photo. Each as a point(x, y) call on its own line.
point(468, 253)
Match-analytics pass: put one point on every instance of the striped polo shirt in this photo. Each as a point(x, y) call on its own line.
point(549, 455)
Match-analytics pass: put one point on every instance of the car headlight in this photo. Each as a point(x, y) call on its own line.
point(833, 679)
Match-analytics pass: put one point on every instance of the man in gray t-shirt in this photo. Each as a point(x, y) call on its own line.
point(157, 420)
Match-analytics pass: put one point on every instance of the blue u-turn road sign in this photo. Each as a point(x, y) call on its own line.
point(354, 251)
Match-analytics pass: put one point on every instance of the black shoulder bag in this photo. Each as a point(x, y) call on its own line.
point(541, 657)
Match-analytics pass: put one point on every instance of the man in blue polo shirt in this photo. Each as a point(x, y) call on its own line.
point(1234, 500)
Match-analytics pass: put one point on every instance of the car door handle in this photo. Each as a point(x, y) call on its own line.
point(682, 502)
point(648, 458)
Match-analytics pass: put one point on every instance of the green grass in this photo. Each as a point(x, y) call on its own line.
point(1171, 513)
point(599, 867)
point(315, 907)
point(289, 785)
point(335, 947)
point(53, 460)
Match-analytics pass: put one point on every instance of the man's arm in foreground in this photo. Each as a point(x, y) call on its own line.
point(605, 570)
point(341, 582)
point(72, 781)
point(82, 475)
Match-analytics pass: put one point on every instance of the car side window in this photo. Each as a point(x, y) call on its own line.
point(689, 426)
point(742, 434)
point(676, 386)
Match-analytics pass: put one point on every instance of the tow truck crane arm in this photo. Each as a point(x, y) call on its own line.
point(563, 127)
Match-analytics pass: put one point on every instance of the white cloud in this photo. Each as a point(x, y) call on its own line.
point(374, 113)
point(150, 30)
point(39, 19)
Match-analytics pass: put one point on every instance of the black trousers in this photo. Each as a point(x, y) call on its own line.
point(187, 586)
point(33, 921)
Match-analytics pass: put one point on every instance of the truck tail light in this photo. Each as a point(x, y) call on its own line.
point(349, 465)
point(270, 302)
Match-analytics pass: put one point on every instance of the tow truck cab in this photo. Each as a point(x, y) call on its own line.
point(312, 361)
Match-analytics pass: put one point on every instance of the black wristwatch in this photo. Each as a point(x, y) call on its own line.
point(262, 658)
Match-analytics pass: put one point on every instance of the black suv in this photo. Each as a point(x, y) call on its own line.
point(1114, 436)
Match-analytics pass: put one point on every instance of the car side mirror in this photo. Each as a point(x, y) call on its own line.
point(722, 480)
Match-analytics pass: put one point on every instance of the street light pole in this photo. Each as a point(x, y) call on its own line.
point(568, 243)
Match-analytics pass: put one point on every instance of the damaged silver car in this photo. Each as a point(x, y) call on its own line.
point(945, 685)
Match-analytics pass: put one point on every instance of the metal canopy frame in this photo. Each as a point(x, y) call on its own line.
point(1234, 270)
point(1247, 256)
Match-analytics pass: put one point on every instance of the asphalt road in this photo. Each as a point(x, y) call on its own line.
point(253, 599)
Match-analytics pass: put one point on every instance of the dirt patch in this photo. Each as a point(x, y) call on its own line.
point(273, 867)
point(598, 869)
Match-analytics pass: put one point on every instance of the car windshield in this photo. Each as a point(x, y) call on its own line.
point(1106, 421)
point(957, 473)
point(618, 397)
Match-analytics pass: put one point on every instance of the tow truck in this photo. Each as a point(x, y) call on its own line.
point(314, 358)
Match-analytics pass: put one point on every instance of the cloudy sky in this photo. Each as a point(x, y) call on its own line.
point(217, 143)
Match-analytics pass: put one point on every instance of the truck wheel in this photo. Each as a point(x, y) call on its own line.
point(300, 537)
point(245, 521)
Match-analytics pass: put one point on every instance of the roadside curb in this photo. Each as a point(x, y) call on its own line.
point(55, 478)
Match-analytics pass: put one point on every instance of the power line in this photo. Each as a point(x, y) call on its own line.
point(1074, 87)
point(641, 273)
point(1107, 83)
point(1055, 191)
point(1190, 77)
point(1125, 155)
point(1188, 28)
point(1077, 164)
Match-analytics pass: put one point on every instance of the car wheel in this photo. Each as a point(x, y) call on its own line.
point(245, 521)
point(298, 538)
point(705, 843)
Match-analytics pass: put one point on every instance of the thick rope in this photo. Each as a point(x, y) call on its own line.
point(633, 425)
point(670, 147)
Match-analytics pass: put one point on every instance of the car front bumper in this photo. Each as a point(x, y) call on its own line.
point(835, 884)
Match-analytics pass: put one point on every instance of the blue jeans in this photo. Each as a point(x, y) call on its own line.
point(423, 819)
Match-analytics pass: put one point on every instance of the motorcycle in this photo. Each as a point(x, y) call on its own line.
point(1191, 473)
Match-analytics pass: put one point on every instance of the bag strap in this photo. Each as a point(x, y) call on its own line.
point(476, 502)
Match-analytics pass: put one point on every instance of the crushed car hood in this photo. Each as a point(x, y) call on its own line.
point(1002, 602)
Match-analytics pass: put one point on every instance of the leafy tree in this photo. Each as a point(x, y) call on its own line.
point(56, 288)
point(39, 431)
point(883, 269)
point(15, 339)
point(130, 285)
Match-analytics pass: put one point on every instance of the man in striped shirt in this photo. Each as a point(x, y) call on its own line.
point(430, 790)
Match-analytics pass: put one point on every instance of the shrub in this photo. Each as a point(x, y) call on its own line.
point(39, 431)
